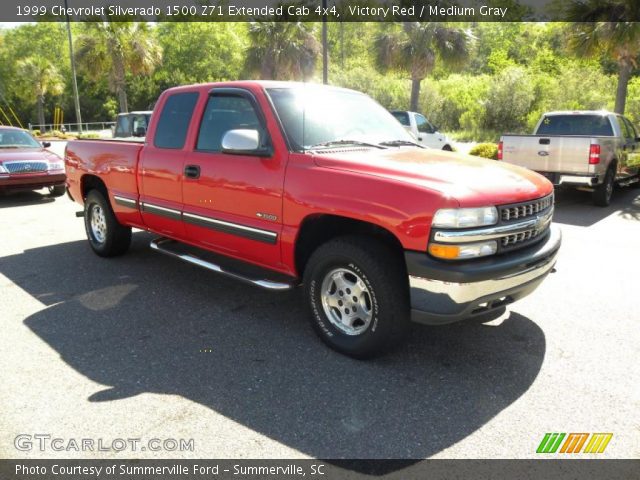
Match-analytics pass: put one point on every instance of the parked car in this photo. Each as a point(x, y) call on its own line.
point(590, 150)
point(280, 184)
point(25, 164)
point(132, 124)
point(424, 131)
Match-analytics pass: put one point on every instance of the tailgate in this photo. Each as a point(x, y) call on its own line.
point(566, 154)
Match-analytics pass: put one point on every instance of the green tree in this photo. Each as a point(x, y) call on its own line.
point(42, 78)
point(282, 50)
point(417, 46)
point(115, 49)
point(196, 52)
point(600, 28)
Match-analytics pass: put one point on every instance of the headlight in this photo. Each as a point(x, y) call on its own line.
point(3, 169)
point(463, 251)
point(465, 217)
point(56, 165)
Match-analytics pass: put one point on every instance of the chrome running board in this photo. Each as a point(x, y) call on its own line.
point(164, 245)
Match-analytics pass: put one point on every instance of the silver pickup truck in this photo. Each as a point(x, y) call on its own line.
point(589, 150)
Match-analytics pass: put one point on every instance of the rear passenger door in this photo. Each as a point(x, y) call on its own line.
point(234, 205)
point(162, 164)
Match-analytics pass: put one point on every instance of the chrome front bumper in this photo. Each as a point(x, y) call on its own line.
point(436, 301)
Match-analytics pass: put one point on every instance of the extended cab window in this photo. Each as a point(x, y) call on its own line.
point(174, 120)
point(226, 112)
point(594, 125)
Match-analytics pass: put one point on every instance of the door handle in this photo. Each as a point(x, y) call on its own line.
point(192, 171)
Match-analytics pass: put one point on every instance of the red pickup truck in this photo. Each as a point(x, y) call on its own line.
point(280, 184)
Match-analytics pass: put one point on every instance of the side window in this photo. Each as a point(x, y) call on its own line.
point(226, 112)
point(423, 125)
point(632, 134)
point(174, 120)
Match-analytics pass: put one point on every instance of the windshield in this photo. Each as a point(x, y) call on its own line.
point(10, 138)
point(312, 116)
point(593, 125)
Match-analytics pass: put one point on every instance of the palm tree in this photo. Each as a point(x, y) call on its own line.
point(42, 78)
point(600, 28)
point(282, 50)
point(416, 47)
point(115, 49)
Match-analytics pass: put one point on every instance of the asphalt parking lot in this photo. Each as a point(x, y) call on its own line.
point(144, 346)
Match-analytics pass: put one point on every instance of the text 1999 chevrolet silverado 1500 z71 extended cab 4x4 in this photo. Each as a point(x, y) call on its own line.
point(279, 184)
point(590, 150)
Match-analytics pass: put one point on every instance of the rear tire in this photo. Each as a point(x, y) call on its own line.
point(447, 148)
point(603, 192)
point(107, 237)
point(357, 293)
point(57, 191)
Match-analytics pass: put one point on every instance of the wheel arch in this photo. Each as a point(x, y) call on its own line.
point(317, 229)
point(90, 182)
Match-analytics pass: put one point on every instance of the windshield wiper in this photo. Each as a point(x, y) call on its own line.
point(398, 143)
point(344, 142)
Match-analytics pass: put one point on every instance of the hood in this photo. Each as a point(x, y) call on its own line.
point(472, 181)
point(33, 154)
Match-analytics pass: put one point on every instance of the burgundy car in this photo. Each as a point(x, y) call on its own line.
point(26, 165)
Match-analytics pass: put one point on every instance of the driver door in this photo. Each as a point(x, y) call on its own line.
point(234, 203)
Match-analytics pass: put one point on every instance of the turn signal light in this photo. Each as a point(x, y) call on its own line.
point(448, 252)
point(594, 154)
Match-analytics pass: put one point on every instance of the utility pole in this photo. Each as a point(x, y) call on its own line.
point(325, 53)
point(76, 98)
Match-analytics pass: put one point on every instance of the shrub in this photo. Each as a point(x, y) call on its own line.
point(485, 150)
point(35, 133)
point(89, 135)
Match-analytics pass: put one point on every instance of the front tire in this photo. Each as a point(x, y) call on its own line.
point(357, 293)
point(603, 192)
point(107, 237)
point(57, 190)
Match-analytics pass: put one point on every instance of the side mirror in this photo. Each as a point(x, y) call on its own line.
point(46, 144)
point(243, 142)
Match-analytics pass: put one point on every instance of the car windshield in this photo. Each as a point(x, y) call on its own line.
point(10, 138)
point(316, 117)
point(593, 125)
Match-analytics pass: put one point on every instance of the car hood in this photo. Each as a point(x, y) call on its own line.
point(472, 181)
point(33, 154)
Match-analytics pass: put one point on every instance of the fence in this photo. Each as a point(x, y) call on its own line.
point(73, 127)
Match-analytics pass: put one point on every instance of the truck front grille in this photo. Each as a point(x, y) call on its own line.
point(519, 238)
point(524, 210)
point(26, 167)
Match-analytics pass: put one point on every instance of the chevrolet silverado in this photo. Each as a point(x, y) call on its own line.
point(280, 184)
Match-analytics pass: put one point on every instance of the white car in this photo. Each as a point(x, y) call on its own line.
point(424, 131)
